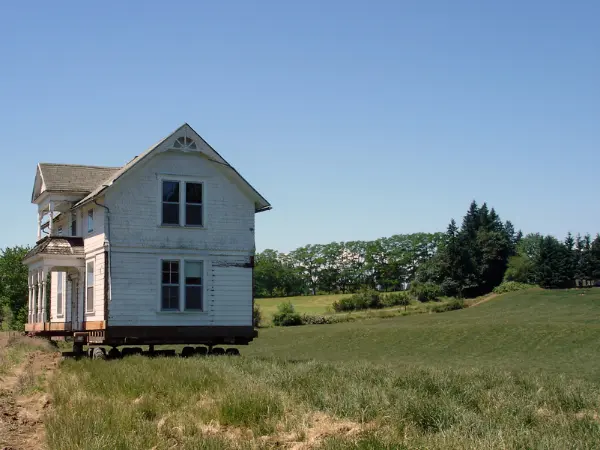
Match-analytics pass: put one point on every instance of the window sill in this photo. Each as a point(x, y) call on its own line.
point(90, 313)
point(197, 313)
point(183, 227)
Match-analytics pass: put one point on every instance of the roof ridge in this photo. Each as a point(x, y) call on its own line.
point(79, 165)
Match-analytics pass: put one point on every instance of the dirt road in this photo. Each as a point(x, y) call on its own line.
point(23, 397)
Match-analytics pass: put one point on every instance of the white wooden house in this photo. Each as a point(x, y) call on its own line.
point(159, 251)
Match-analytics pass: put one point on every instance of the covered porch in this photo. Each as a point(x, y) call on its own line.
point(55, 254)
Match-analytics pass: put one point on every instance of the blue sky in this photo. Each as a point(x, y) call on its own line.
point(355, 119)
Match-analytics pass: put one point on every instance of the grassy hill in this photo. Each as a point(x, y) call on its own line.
point(553, 331)
point(519, 371)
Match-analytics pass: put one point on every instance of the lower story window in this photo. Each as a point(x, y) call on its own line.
point(170, 286)
point(193, 285)
point(89, 298)
point(176, 274)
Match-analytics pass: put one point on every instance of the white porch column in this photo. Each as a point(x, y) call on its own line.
point(44, 273)
point(29, 297)
point(38, 316)
point(39, 227)
point(51, 218)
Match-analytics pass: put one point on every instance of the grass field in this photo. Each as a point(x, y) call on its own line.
point(309, 304)
point(520, 371)
point(322, 305)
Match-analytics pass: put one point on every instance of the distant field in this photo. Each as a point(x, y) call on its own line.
point(310, 304)
point(519, 371)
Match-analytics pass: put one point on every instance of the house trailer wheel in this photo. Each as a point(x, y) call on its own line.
point(217, 351)
point(114, 353)
point(187, 352)
point(232, 352)
point(127, 351)
point(98, 353)
point(201, 351)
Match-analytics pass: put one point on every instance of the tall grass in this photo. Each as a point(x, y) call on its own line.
point(263, 403)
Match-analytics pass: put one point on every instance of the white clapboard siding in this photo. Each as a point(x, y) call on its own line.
point(136, 291)
point(135, 202)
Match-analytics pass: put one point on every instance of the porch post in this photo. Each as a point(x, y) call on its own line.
point(29, 296)
point(51, 218)
point(38, 289)
point(39, 226)
point(44, 273)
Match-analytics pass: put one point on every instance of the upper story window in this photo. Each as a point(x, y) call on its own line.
point(185, 143)
point(170, 202)
point(90, 221)
point(73, 224)
point(186, 211)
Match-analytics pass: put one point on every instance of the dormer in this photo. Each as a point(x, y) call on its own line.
point(58, 187)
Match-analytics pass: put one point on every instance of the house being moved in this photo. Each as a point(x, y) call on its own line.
point(159, 251)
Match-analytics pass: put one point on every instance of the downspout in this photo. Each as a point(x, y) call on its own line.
point(109, 254)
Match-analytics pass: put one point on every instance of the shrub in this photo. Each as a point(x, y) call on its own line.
point(450, 306)
point(511, 286)
point(310, 319)
point(361, 300)
point(396, 299)
point(425, 292)
point(256, 316)
point(286, 316)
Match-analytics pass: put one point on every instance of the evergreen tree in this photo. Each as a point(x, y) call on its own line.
point(552, 264)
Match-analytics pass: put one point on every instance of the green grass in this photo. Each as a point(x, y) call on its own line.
point(309, 304)
point(549, 331)
point(520, 371)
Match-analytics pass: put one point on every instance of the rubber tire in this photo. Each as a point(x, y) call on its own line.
point(201, 351)
point(217, 351)
point(114, 353)
point(90, 352)
point(232, 352)
point(127, 351)
point(186, 352)
point(98, 353)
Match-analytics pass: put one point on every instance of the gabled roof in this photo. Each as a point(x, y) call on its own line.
point(72, 177)
point(204, 149)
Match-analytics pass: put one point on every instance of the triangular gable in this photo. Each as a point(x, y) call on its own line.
point(203, 148)
point(38, 184)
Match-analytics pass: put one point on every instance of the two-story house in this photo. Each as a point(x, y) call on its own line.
point(159, 251)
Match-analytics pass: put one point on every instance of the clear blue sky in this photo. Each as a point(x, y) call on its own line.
point(356, 120)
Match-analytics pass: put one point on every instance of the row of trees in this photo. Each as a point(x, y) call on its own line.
point(387, 264)
point(13, 288)
point(466, 261)
point(546, 261)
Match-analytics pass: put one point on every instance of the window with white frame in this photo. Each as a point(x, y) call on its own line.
point(59, 293)
point(176, 273)
point(193, 285)
point(60, 231)
point(90, 221)
point(73, 224)
point(186, 211)
point(89, 284)
point(170, 285)
point(170, 202)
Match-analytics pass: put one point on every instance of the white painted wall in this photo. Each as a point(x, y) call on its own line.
point(134, 202)
point(136, 291)
point(138, 242)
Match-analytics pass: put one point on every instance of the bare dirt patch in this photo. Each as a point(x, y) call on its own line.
point(23, 400)
point(484, 300)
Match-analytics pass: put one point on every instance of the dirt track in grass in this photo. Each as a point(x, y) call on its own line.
point(23, 400)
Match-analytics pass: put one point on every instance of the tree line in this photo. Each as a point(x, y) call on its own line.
point(465, 261)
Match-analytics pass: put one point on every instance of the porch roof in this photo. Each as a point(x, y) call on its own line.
point(57, 245)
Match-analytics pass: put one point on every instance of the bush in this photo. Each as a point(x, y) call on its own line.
point(256, 316)
point(286, 316)
point(511, 286)
point(425, 292)
point(396, 299)
point(450, 306)
point(310, 319)
point(367, 299)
